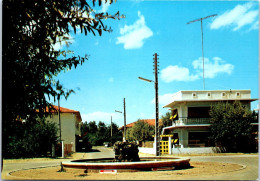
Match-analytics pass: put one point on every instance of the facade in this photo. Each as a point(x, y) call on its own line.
point(190, 126)
point(70, 126)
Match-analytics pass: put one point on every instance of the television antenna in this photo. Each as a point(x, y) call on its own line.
point(200, 19)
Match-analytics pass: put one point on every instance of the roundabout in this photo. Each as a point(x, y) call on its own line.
point(145, 164)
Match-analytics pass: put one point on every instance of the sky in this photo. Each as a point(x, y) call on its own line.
point(117, 59)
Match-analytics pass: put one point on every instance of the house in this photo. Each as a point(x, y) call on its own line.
point(191, 121)
point(146, 144)
point(70, 126)
point(151, 122)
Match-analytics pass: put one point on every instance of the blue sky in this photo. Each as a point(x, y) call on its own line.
point(117, 59)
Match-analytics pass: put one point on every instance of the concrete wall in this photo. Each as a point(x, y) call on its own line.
point(195, 150)
point(212, 94)
point(147, 150)
point(204, 150)
point(68, 128)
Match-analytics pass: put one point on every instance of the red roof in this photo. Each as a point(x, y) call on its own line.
point(151, 122)
point(62, 110)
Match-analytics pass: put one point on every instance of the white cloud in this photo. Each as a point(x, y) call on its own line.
point(96, 43)
point(101, 116)
point(111, 79)
point(164, 99)
point(133, 36)
point(212, 68)
point(237, 17)
point(176, 73)
point(255, 26)
point(61, 43)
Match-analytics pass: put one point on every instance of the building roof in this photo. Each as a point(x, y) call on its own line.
point(151, 122)
point(209, 96)
point(64, 110)
point(209, 100)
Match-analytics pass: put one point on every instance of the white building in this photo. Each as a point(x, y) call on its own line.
point(70, 126)
point(191, 123)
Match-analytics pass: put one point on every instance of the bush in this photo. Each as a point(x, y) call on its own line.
point(231, 126)
point(28, 140)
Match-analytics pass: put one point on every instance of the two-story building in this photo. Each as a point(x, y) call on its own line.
point(191, 120)
point(70, 126)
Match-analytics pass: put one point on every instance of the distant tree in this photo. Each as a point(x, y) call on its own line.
point(31, 28)
point(116, 134)
point(140, 131)
point(98, 134)
point(166, 120)
point(231, 126)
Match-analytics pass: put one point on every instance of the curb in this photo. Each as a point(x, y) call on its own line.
point(9, 173)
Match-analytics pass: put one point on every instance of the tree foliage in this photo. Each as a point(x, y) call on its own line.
point(31, 140)
point(231, 125)
point(166, 120)
point(30, 62)
point(141, 131)
point(30, 29)
point(98, 134)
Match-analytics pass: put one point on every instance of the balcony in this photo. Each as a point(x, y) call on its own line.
point(191, 121)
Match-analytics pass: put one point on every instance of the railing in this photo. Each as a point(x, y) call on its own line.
point(191, 121)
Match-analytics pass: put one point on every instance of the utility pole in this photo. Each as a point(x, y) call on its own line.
point(200, 19)
point(124, 122)
point(157, 136)
point(111, 131)
point(124, 134)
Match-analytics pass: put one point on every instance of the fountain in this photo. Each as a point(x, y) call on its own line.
point(127, 159)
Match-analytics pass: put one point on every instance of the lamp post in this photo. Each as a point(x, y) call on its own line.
point(124, 137)
point(157, 136)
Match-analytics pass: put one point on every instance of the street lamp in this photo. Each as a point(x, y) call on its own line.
point(157, 136)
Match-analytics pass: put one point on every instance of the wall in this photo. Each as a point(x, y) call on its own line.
point(215, 94)
point(195, 150)
point(147, 150)
point(68, 129)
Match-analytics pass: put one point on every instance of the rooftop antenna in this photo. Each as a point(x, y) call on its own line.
point(200, 19)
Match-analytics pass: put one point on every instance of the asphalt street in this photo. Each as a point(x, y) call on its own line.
point(250, 172)
point(249, 161)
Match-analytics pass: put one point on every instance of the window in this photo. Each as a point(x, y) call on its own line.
point(198, 112)
point(223, 94)
point(238, 94)
point(198, 139)
point(175, 139)
point(209, 94)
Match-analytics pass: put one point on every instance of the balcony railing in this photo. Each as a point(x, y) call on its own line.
point(191, 121)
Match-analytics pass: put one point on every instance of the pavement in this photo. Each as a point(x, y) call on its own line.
point(249, 161)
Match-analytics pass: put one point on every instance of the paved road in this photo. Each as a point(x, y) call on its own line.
point(101, 152)
point(249, 173)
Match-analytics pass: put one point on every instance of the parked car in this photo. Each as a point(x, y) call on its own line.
point(107, 144)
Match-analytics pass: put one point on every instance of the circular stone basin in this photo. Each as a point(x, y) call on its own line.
point(145, 163)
